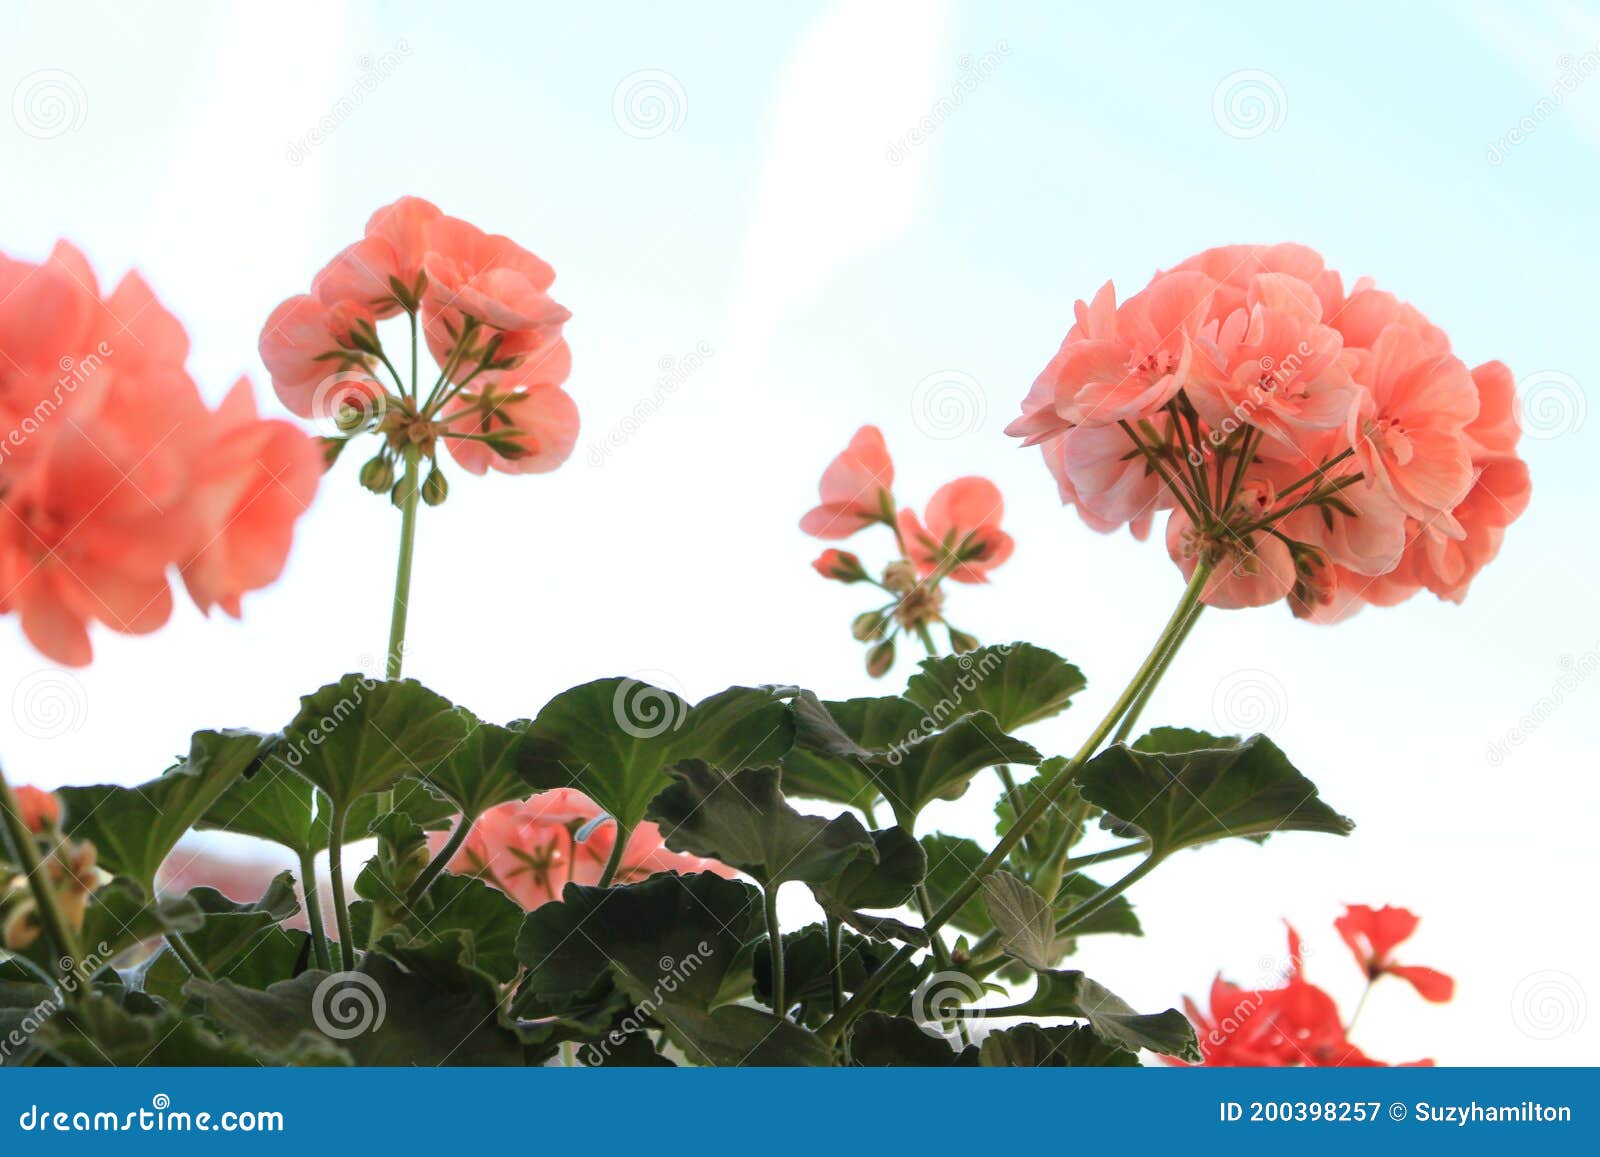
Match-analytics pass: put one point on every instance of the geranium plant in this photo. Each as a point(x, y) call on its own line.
point(598, 884)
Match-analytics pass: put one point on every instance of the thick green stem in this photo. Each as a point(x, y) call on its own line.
point(62, 938)
point(1042, 803)
point(308, 889)
point(614, 860)
point(1132, 717)
point(180, 949)
point(780, 1003)
point(1104, 896)
point(836, 961)
point(411, 488)
point(419, 886)
point(341, 906)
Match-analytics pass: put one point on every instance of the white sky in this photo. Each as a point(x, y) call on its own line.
point(821, 283)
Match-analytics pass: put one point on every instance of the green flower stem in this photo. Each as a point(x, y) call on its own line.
point(1042, 803)
point(319, 934)
point(780, 1004)
point(1360, 1004)
point(835, 961)
point(419, 886)
point(341, 906)
point(1104, 896)
point(1132, 717)
point(412, 489)
point(44, 897)
point(614, 860)
point(180, 949)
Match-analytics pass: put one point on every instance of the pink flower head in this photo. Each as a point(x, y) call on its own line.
point(493, 282)
point(1408, 432)
point(530, 851)
point(125, 474)
point(855, 489)
point(962, 535)
point(1119, 363)
point(253, 481)
point(311, 350)
point(530, 427)
point(1314, 446)
point(381, 274)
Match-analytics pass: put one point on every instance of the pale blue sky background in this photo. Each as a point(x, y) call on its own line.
point(764, 224)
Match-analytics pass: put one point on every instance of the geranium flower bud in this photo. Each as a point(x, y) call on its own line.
point(839, 565)
point(961, 642)
point(435, 487)
point(880, 659)
point(868, 626)
point(402, 490)
point(377, 475)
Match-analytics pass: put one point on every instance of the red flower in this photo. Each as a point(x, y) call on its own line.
point(1295, 1024)
point(1373, 933)
point(39, 808)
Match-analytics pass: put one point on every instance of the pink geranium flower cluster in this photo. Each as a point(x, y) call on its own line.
point(958, 537)
point(530, 849)
point(113, 470)
point(487, 317)
point(1313, 444)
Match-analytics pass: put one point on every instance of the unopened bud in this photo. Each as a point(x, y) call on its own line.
point(868, 626)
point(378, 474)
point(840, 565)
point(880, 659)
point(961, 642)
point(900, 576)
point(435, 487)
point(403, 490)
